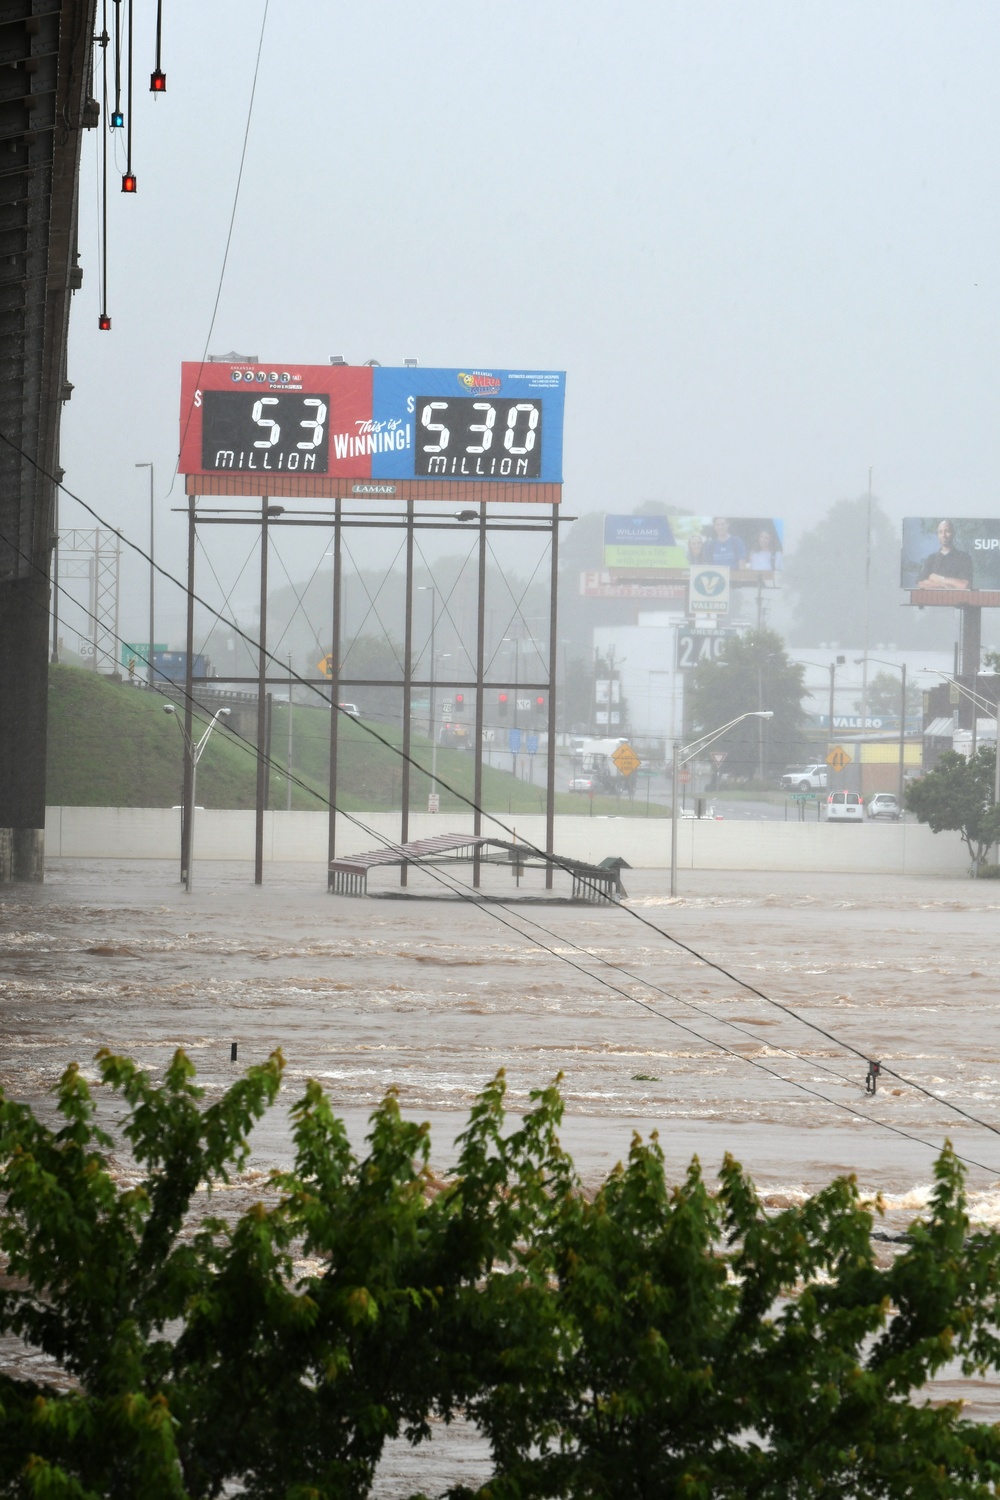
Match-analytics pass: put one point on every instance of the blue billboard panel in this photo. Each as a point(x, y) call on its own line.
point(468, 424)
point(641, 542)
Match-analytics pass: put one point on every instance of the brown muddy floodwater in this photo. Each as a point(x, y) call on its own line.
point(435, 995)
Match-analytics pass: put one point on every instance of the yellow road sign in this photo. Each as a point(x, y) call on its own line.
point(326, 665)
point(626, 760)
point(837, 758)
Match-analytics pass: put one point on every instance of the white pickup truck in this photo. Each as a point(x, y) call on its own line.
point(810, 778)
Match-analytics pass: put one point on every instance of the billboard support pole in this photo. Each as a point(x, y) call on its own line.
point(404, 817)
point(477, 794)
point(550, 764)
point(187, 793)
point(970, 640)
point(262, 726)
point(334, 682)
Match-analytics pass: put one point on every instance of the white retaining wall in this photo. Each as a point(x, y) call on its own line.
point(866, 848)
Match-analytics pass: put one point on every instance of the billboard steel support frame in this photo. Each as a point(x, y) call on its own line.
point(411, 522)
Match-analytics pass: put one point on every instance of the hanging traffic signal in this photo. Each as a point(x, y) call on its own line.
point(540, 705)
point(104, 322)
point(157, 82)
point(128, 182)
point(117, 120)
point(459, 703)
point(502, 705)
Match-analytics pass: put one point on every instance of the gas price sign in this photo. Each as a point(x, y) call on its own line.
point(697, 646)
point(392, 431)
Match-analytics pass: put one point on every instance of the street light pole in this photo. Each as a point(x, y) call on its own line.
point(681, 756)
point(195, 750)
point(902, 735)
point(152, 576)
point(674, 782)
point(902, 719)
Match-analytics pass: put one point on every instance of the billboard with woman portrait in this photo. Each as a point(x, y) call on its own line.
point(668, 543)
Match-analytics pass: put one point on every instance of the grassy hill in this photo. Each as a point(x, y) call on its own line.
point(111, 745)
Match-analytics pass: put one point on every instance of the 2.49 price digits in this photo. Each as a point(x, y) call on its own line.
point(491, 439)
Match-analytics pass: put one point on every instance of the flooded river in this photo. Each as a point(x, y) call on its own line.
point(434, 995)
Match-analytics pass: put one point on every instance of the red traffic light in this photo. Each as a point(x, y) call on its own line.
point(104, 322)
point(460, 703)
point(157, 82)
point(128, 182)
point(502, 705)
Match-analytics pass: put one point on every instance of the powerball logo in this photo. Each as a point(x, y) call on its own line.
point(480, 383)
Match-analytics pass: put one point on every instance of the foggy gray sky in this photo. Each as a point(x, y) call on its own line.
point(761, 239)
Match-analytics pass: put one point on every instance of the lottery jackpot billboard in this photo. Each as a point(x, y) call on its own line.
point(389, 429)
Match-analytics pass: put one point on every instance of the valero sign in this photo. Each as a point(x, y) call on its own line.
point(708, 592)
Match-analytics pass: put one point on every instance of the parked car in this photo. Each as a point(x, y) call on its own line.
point(885, 805)
point(811, 778)
point(845, 807)
point(583, 784)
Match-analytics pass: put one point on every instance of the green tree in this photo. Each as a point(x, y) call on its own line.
point(883, 697)
point(957, 796)
point(753, 673)
point(650, 1340)
point(825, 577)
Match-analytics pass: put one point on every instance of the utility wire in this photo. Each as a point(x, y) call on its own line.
point(229, 234)
point(552, 858)
point(494, 908)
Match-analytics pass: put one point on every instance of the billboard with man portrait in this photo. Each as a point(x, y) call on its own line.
point(943, 552)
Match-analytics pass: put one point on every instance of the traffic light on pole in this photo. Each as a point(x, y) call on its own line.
point(540, 706)
point(502, 705)
point(459, 704)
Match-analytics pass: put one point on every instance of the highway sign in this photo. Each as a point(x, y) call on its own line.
point(139, 650)
point(838, 758)
point(626, 760)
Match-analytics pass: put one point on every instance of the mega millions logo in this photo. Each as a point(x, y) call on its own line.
point(479, 383)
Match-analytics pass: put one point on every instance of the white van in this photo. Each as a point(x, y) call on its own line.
point(845, 807)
